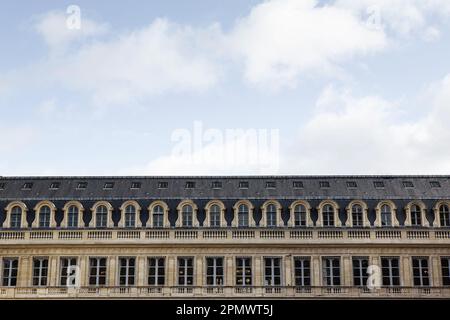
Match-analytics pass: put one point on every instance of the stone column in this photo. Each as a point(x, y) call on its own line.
point(171, 272)
point(84, 271)
point(111, 281)
point(25, 271)
point(405, 274)
point(347, 271)
point(316, 272)
point(258, 272)
point(198, 271)
point(288, 271)
point(53, 271)
point(141, 271)
point(435, 271)
point(229, 276)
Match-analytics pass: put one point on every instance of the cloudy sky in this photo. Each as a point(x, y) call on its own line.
point(205, 87)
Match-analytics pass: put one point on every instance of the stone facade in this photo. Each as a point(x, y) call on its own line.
point(114, 242)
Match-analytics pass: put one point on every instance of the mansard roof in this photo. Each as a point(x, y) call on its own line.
point(259, 187)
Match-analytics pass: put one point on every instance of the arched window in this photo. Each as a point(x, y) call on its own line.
point(357, 215)
point(214, 216)
point(444, 214)
point(271, 216)
point(72, 217)
point(16, 217)
point(328, 216)
point(44, 217)
point(187, 216)
point(386, 216)
point(243, 216)
point(158, 217)
point(416, 215)
point(300, 216)
point(130, 216)
point(101, 217)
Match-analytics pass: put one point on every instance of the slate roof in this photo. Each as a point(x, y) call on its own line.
point(11, 188)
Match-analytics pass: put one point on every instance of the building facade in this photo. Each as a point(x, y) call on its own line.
point(225, 237)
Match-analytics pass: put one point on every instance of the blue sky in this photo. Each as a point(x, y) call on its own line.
point(336, 87)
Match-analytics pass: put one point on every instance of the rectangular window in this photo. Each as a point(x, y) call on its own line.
point(243, 185)
point(156, 271)
point(190, 185)
point(421, 274)
point(435, 184)
point(27, 186)
point(135, 185)
point(271, 185)
point(163, 184)
point(217, 185)
point(9, 272)
point(55, 185)
point(302, 270)
point(272, 271)
point(214, 271)
point(378, 184)
point(127, 271)
point(324, 184)
point(97, 271)
point(68, 271)
point(108, 186)
point(390, 269)
point(360, 265)
point(445, 268)
point(331, 271)
point(352, 184)
point(81, 185)
point(40, 271)
point(408, 184)
point(214, 219)
point(185, 271)
point(297, 184)
point(243, 271)
point(2, 186)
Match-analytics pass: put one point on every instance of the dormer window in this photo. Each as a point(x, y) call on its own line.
point(55, 185)
point(190, 185)
point(408, 184)
point(297, 184)
point(217, 185)
point(352, 185)
point(27, 186)
point(108, 186)
point(271, 185)
point(324, 184)
point(435, 184)
point(243, 184)
point(378, 184)
point(81, 185)
point(163, 184)
point(135, 185)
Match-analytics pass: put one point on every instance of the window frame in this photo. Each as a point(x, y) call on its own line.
point(151, 219)
point(10, 280)
point(157, 275)
point(215, 276)
point(97, 276)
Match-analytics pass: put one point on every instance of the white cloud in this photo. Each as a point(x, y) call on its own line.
point(280, 39)
point(163, 57)
point(14, 138)
point(214, 153)
point(402, 17)
point(53, 28)
point(345, 135)
point(353, 135)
